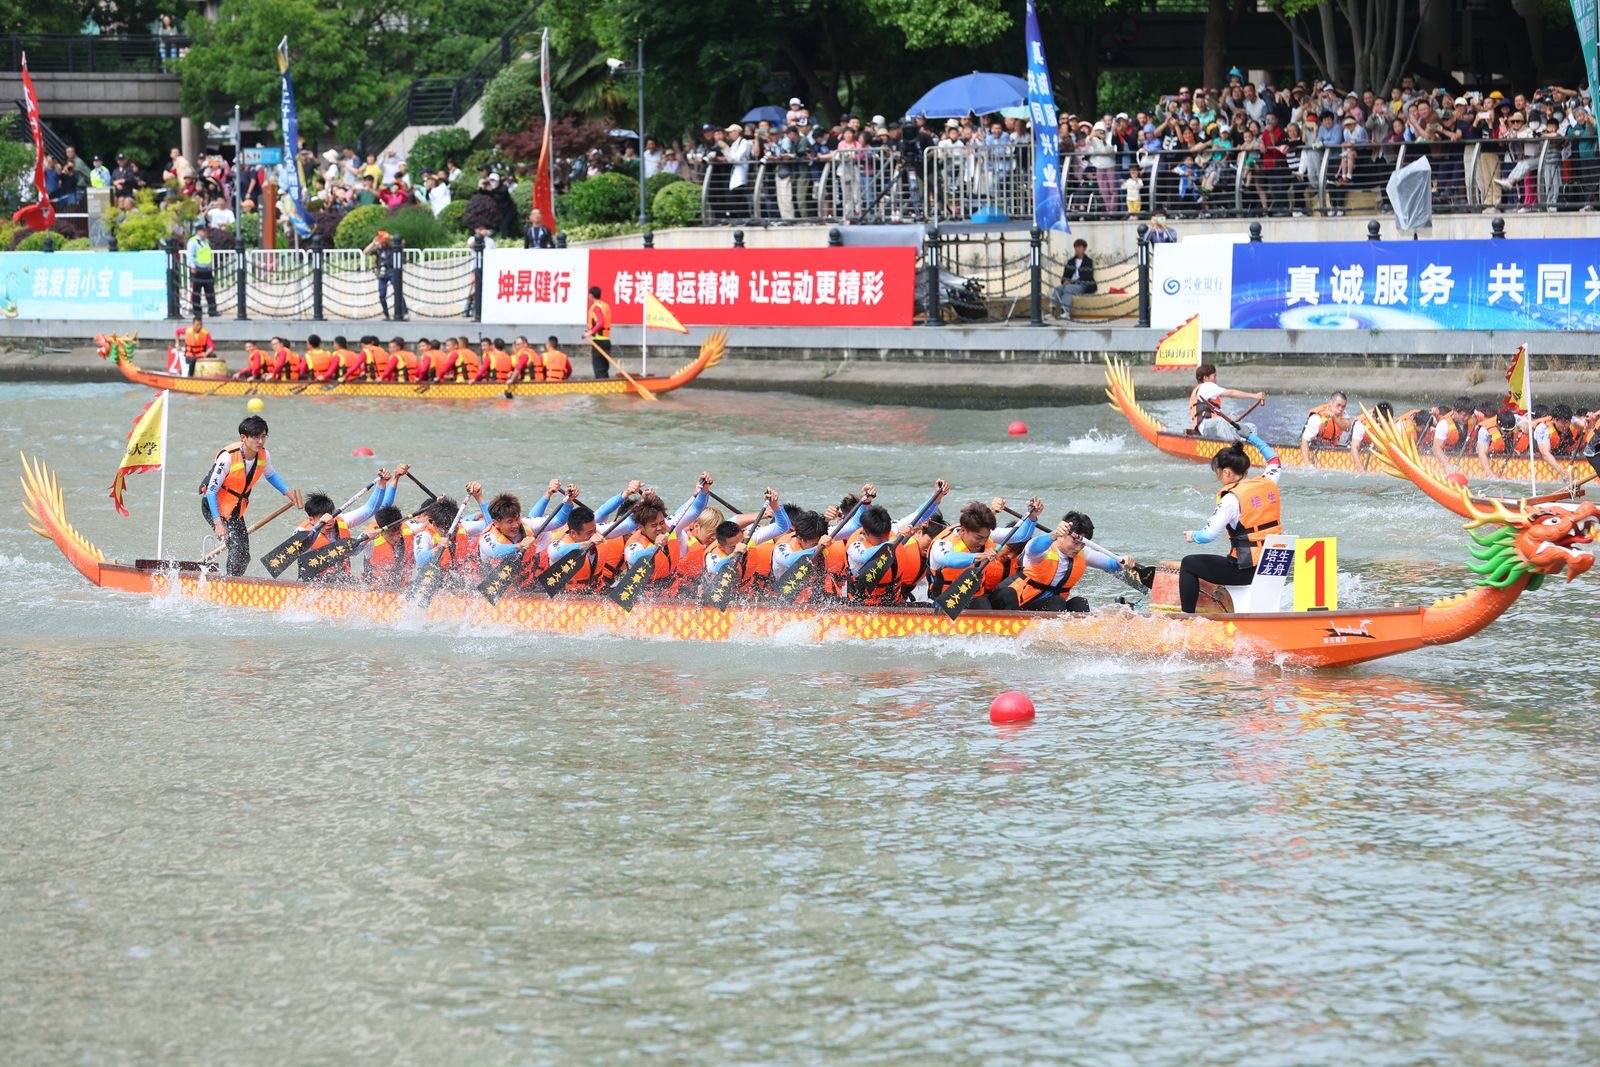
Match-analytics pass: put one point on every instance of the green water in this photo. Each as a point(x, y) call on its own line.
point(240, 838)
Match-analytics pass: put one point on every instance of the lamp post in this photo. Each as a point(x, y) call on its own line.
point(637, 71)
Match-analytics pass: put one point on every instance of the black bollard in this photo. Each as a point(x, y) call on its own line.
point(1144, 275)
point(738, 238)
point(241, 268)
point(1255, 233)
point(930, 259)
point(835, 238)
point(477, 278)
point(316, 277)
point(1374, 231)
point(1035, 277)
point(398, 285)
point(174, 307)
point(1497, 227)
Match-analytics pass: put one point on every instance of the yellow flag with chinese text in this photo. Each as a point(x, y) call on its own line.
point(657, 315)
point(144, 449)
point(1517, 381)
point(1180, 348)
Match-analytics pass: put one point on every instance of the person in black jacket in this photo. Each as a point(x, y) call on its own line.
point(536, 234)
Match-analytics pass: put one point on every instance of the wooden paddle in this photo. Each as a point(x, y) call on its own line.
point(277, 561)
point(1129, 580)
point(215, 552)
point(554, 578)
point(426, 584)
point(960, 593)
point(314, 565)
point(878, 565)
point(727, 582)
point(797, 577)
point(644, 392)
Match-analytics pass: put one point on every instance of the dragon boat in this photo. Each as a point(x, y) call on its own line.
point(118, 349)
point(1527, 545)
point(1120, 393)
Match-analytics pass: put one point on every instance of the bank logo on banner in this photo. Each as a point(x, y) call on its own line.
point(536, 287)
point(1192, 277)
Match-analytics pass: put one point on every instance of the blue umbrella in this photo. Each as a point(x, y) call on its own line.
point(771, 113)
point(977, 92)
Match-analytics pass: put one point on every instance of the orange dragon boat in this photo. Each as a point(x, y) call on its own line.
point(117, 349)
point(1526, 546)
point(1120, 393)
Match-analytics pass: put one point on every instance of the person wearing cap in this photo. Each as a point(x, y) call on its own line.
point(99, 176)
point(388, 263)
point(796, 112)
point(737, 154)
point(199, 258)
point(1523, 155)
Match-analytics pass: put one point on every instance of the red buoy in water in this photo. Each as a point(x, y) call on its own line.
point(1010, 707)
point(1457, 478)
point(1018, 429)
point(362, 453)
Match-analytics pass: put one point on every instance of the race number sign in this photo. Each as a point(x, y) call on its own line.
point(1316, 574)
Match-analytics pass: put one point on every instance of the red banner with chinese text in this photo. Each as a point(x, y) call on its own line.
point(761, 286)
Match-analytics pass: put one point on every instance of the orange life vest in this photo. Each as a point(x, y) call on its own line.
point(467, 363)
point(1523, 441)
point(557, 367)
point(500, 363)
point(351, 366)
point(661, 570)
point(527, 357)
point(234, 495)
point(255, 361)
point(1039, 578)
point(689, 568)
point(322, 363)
point(340, 532)
point(197, 342)
point(599, 319)
point(444, 363)
point(905, 562)
point(993, 574)
point(1260, 515)
point(1330, 429)
point(385, 563)
point(1446, 433)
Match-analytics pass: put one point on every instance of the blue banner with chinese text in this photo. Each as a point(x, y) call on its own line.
point(1483, 284)
point(1047, 211)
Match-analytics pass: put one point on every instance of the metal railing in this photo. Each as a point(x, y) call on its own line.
point(94, 54)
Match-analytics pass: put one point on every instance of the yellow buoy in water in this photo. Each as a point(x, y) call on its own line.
point(255, 406)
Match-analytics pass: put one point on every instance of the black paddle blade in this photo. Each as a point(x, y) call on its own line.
point(876, 567)
point(797, 578)
point(277, 561)
point(426, 585)
point(315, 564)
point(556, 576)
point(725, 586)
point(624, 593)
point(501, 579)
point(959, 593)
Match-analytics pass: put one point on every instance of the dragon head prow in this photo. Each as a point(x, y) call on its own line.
point(1535, 541)
point(1120, 394)
point(115, 346)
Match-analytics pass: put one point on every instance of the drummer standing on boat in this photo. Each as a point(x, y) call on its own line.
point(225, 492)
point(598, 333)
point(198, 344)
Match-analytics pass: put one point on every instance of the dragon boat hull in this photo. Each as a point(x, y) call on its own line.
point(1121, 396)
point(711, 353)
point(1324, 639)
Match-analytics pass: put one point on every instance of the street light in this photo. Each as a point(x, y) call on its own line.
point(617, 67)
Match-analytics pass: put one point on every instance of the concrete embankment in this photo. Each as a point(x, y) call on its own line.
point(996, 366)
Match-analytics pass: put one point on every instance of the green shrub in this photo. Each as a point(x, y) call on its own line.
point(360, 226)
point(35, 242)
point(676, 205)
point(512, 99)
point(250, 226)
point(522, 196)
point(655, 184)
point(76, 244)
point(594, 231)
point(183, 210)
point(609, 197)
point(8, 230)
point(451, 217)
point(416, 226)
point(142, 231)
point(432, 149)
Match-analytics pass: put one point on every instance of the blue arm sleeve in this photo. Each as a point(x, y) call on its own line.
point(1037, 547)
point(566, 548)
point(691, 510)
point(424, 550)
point(1101, 562)
point(389, 493)
point(540, 508)
point(714, 566)
point(494, 550)
point(360, 515)
point(850, 527)
point(944, 556)
point(273, 478)
point(635, 553)
point(606, 510)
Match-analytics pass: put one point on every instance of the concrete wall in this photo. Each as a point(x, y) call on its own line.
point(92, 96)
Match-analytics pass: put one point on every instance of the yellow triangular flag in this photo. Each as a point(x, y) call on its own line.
point(1517, 380)
point(1180, 349)
point(143, 451)
point(657, 315)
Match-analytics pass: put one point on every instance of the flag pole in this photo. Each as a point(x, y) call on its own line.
point(1527, 392)
point(644, 339)
point(161, 505)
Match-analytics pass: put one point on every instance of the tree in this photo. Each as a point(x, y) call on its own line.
point(233, 59)
point(1380, 43)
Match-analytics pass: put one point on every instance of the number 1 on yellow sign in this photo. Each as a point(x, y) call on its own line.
point(1316, 574)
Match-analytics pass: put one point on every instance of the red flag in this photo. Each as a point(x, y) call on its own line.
point(39, 215)
point(544, 195)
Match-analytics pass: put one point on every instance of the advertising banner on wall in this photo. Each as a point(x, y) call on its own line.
point(761, 286)
point(84, 285)
point(536, 287)
point(1487, 284)
point(1192, 277)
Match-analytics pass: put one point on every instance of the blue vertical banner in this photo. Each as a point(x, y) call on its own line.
point(294, 185)
point(1047, 210)
point(1586, 16)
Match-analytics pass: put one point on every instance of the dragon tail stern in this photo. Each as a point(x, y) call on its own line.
point(712, 349)
point(46, 507)
point(1120, 393)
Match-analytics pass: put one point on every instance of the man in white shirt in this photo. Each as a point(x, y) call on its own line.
point(1206, 417)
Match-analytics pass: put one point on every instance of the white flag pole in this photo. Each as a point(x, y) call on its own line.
point(644, 340)
point(1527, 393)
point(161, 504)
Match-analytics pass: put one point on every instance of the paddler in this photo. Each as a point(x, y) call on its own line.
point(225, 492)
point(557, 366)
point(467, 361)
point(603, 549)
point(376, 359)
point(1248, 511)
point(350, 365)
point(1493, 438)
point(333, 525)
point(1360, 430)
point(875, 529)
point(1052, 565)
point(287, 364)
point(390, 552)
point(1206, 415)
point(973, 542)
point(670, 537)
point(597, 331)
point(1450, 429)
point(508, 532)
point(197, 345)
point(408, 364)
point(497, 363)
point(735, 547)
point(1325, 425)
point(807, 535)
point(256, 362)
point(322, 364)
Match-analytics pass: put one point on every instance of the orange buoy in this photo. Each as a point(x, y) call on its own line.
point(362, 452)
point(1457, 478)
point(1018, 429)
point(1010, 707)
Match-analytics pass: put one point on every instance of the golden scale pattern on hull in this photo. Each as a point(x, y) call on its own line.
point(711, 353)
point(1121, 395)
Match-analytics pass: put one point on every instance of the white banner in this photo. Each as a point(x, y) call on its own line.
point(1193, 277)
point(536, 287)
